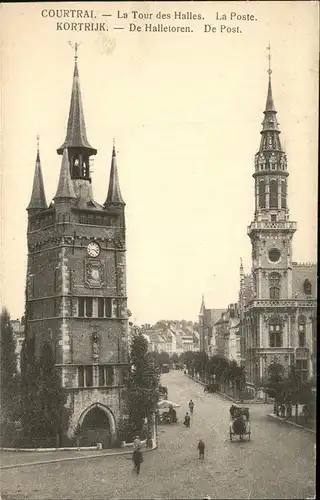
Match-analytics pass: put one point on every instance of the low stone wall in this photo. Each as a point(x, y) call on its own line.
point(125, 445)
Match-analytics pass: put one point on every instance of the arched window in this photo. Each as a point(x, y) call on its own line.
point(307, 287)
point(302, 331)
point(274, 286)
point(283, 194)
point(262, 194)
point(275, 332)
point(273, 194)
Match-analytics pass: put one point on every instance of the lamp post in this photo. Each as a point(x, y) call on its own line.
point(265, 374)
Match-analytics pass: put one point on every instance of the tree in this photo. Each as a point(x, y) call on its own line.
point(43, 396)
point(174, 358)
point(160, 358)
point(9, 378)
point(142, 394)
point(276, 384)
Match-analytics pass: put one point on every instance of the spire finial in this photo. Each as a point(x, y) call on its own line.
point(38, 141)
point(269, 58)
point(75, 47)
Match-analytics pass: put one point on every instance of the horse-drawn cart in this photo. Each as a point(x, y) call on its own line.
point(240, 422)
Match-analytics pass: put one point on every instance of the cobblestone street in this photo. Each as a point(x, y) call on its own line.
point(278, 462)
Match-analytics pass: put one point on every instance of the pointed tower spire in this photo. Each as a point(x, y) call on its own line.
point(114, 192)
point(38, 197)
point(79, 148)
point(270, 166)
point(270, 123)
point(65, 187)
point(202, 308)
point(76, 129)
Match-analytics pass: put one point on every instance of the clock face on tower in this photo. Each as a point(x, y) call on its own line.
point(93, 249)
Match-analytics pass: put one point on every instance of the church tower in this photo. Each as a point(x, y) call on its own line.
point(76, 281)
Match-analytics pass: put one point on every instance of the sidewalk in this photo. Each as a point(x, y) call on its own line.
point(237, 401)
point(291, 422)
point(11, 459)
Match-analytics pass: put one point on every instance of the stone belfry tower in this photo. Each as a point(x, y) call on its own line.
point(76, 281)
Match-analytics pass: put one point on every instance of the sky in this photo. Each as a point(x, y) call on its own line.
point(185, 110)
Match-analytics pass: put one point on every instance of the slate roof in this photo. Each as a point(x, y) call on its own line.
point(38, 197)
point(76, 136)
point(114, 192)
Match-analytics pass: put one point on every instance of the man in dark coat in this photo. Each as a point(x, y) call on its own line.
point(137, 460)
point(187, 420)
point(201, 448)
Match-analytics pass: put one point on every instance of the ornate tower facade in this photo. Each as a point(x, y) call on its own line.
point(272, 314)
point(76, 282)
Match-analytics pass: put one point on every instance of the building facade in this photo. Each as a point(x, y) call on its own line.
point(277, 300)
point(227, 334)
point(207, 319)
point(76, 279)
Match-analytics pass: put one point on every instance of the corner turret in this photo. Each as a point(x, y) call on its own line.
point(38, 197)
point(114, 196)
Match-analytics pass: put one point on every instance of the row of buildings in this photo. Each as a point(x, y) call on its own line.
point(275, 318)
point(171, 337)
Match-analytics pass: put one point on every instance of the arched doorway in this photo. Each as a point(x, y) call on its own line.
point(97, 425)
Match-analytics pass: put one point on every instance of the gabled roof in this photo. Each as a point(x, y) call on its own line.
point(212, 315)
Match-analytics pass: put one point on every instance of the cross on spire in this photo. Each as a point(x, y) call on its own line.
point(269, 57)
point(75, 47)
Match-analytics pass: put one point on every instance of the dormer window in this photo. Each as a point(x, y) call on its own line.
point(307, 287)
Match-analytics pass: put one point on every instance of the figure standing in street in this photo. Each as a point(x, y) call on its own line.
point(201, 448)
point(187, 420)
point(136, 443)
point(137, 460)
point(191, 406)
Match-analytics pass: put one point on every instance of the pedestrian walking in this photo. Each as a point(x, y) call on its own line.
point(191, 406)
point(187, 420)
point(137, 460)
point(136, 443)
point(201, 448)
